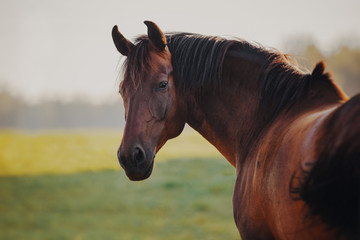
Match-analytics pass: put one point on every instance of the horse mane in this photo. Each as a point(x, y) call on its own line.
point(198, 61)
point(198, 68)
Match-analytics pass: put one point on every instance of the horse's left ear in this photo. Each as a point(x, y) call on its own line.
point(156, 36)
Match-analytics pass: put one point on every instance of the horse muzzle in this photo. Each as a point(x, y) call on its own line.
point(137, 165)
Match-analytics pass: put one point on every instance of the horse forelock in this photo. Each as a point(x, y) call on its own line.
point(136, 66)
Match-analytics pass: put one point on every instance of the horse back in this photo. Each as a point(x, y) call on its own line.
point(263, 197)
point(315, 173)
point(294, 153)
point(331, 188)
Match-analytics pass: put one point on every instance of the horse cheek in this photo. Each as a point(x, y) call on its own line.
point(158, 106)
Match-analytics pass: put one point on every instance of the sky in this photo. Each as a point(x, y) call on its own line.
point(63, 49)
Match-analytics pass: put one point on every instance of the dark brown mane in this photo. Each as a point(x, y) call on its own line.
point(198, 63)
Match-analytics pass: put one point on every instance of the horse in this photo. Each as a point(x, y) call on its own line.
point(292, 136)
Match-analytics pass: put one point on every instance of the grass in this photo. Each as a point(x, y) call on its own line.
point(56, 152)
point(181, 200)
point(68, 185)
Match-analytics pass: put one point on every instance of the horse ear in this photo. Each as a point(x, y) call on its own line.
point(156, 36)
point(123, 45)
point(318, 70)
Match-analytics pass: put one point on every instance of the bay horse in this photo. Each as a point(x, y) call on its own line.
point(293, 137)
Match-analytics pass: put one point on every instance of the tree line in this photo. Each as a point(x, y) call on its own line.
point(50, 114)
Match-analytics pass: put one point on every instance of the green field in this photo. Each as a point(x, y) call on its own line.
point(56, 152)
point(68, 185)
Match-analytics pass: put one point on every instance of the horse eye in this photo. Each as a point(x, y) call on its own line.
point(163, 85)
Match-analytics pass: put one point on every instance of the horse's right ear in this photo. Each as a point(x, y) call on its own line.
point(123, 45)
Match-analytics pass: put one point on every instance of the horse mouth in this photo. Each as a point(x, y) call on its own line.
point(138, 177)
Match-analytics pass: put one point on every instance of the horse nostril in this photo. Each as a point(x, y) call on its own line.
point(138, 155)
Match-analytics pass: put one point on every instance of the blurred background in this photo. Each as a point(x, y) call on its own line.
point(61, 116)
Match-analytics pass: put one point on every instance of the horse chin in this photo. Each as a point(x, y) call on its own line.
point(140, 175)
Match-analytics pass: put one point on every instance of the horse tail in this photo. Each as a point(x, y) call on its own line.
point(331, 188)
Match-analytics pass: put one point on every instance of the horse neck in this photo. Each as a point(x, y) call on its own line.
point(225, 116)
point(232, 119)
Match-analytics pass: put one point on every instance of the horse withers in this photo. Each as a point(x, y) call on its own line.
point(293, 137)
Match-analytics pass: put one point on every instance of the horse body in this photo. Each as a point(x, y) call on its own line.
point(268, 119)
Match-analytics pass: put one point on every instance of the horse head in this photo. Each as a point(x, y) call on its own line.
point(151, 108)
